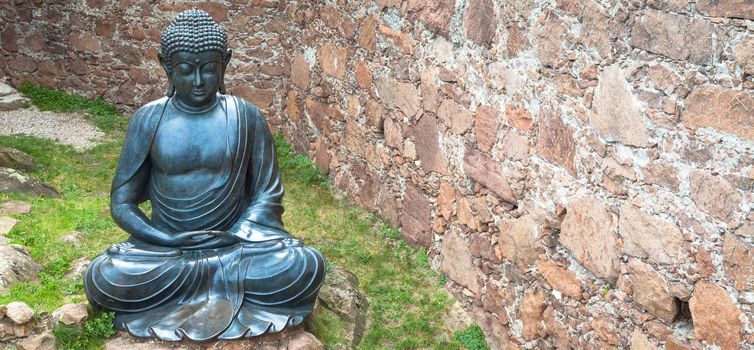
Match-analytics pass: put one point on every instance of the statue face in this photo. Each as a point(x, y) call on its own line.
point(197, 76)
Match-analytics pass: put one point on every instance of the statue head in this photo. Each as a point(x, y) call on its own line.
point(194, 54)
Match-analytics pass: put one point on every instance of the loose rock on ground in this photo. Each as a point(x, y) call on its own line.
point(13, 158)
point(16, 265)
point(15, 207)
point(10, 99)
point(19, 312)
point(340, 293)
point(14, 181)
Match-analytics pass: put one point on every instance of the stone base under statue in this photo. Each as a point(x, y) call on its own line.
point(293, 338)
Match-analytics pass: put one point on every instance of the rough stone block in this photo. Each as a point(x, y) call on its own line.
point(44, 341)
point(714, 195)
point(415, 220)
point(738, 262)
point(300, 72)
point(85, 42)
point(531, 313)
point(9, 39)
point(745, 54)
point(368, 34)
point(457, 261)
point(727, 8)
point(485, 127)
point(426, 138)
point(639, 341)
point(489, 173)
point(556, 142)
point(651, 291)
point(520, 240)
point(715, 316)
point(436, 14)
point(15, 207)
point(550, 38)
point(596, 28)
point(614, 113)
point(19, 312)
point(455, 116)
point(7, 224)
point(678, 36)
point(333, 60)
point(647, 236)
point(479, 22)
point(515, 146)
point(589, 233)
point(561, 279)
point(727, 110)
point(402, 96)
point(71, 314)
point(363, 75)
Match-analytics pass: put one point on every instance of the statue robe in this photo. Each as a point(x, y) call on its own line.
point(262, 284)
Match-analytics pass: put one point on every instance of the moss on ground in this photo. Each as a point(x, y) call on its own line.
point(407, 302)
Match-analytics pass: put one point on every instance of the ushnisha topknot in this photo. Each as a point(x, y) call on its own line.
point(193, 31)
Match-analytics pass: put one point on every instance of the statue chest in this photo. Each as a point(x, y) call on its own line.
point(193, 143)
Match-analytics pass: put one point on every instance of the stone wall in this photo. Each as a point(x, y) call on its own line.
point(109, 48)
point(581, 170)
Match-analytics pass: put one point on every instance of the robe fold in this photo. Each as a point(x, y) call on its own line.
point(262, 284)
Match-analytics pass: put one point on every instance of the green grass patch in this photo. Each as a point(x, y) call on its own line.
point(92, 334)
point(407, 303)
point(297, 167)
point(406, 307)
point(102, 114)
point(471, 338)
point(329, 328)
point(84, 181)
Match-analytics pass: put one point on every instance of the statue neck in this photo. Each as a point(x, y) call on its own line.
point(183, 107)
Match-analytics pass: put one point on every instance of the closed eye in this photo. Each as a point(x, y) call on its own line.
point(209, 67)
point(184, 67)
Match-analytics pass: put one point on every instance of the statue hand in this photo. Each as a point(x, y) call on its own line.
point(224, 235)
point(191, 238)
point(218, 239)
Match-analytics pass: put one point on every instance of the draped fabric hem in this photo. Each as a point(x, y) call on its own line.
point(214, 294)
point(252, 326)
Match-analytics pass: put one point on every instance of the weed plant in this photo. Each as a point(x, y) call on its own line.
point(407, 304)
point(472, 338)
point(92, 334)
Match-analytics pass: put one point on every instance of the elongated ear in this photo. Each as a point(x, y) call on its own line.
point(166, 66)
point(226, 60)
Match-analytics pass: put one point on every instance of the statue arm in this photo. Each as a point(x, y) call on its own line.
point(262, 219)
point(132, 177)
point(126, 213)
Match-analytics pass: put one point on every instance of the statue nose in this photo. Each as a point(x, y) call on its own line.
point(198, 78)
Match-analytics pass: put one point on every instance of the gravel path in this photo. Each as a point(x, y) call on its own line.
point(66, 128)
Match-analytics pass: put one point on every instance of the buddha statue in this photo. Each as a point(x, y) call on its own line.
point(213, 261)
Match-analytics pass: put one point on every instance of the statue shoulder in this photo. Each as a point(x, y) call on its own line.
point(252, 112)
point(149, 109)
point(144, 121)
point(138, 141)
